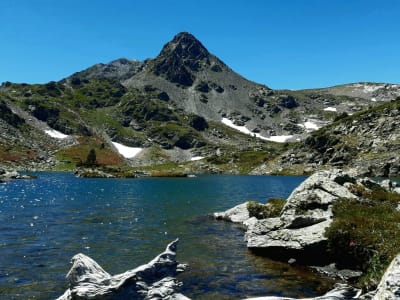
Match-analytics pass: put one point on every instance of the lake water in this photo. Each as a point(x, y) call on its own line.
point(123, 223)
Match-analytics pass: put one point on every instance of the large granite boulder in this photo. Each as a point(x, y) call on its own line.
point(299, 231)
point(154, 280)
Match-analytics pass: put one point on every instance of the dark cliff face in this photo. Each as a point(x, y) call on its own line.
point(180, 58)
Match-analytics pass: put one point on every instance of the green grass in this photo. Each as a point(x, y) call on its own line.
point(78, 153)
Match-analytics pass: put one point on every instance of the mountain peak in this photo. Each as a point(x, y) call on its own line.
point(181, 58)
point(186, 46)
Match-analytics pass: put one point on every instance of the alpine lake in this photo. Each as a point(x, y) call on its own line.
point(124, 223)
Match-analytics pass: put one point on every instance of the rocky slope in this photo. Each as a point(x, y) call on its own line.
point(182, 105)
point(368, 141)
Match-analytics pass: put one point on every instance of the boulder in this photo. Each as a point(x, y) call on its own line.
point(237, 214)
point(8, 175)
point(154, 280)
point(299, 231)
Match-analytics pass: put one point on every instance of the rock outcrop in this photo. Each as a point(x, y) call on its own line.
point(154, 280)
point(298, 232)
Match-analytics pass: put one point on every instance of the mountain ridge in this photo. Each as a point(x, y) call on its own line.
point(179, 104)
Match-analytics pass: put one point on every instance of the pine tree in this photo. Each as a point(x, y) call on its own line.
point(91, 159)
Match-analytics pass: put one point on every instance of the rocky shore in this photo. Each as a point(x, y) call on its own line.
point(9, 175)
point(298, 234)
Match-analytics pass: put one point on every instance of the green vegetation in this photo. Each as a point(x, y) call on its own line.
point(91, 158)
point(364, 234)
point(272, 209)
point(78, 154)
point(94, 93)
point(245, 160)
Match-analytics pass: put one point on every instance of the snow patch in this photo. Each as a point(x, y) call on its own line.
point(229, 123)
point(125, 151)
point(309, 126)
point(277, 138)
point(330, 108)
point(243, 129)
point(194, 158)
point(373, 99)
point(56, 134)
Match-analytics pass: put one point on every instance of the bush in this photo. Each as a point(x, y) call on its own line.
point(91, 160)
point(262, 211)
point(198, 123)
point(364, 234)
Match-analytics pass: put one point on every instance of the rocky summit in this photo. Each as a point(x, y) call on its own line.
point(186, 106)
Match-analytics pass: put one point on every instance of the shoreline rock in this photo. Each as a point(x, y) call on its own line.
point(10, 175)
point(154, 280)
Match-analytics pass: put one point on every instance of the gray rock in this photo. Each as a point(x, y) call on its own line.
point(307, 213)
point(389, 185)
point(237, 214)
point(154, 280)
point(333, 272)
point(8, 175)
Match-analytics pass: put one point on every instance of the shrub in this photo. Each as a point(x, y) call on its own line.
point(364, 234)
point(198, 122)
point(262, 211)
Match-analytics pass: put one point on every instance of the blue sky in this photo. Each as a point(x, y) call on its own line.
point(292, 44)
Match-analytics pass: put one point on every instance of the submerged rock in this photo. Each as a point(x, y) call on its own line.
point(340, 292)
point(154, 280)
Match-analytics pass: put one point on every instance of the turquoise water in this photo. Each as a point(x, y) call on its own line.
point(123, 223)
